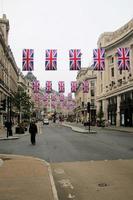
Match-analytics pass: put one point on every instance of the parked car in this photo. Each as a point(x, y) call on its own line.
point(46, 121)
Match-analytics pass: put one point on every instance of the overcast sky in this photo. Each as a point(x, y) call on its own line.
point(61, 25)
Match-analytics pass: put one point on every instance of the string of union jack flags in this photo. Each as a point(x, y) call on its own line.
point(123, 59)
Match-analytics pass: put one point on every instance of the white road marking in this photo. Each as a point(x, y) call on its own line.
point(71, 196)
point(66, 183)
point(59, 171)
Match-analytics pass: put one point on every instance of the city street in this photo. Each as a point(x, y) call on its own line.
point(57, 143)
point(81, 162)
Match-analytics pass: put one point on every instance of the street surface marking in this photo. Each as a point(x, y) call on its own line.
point(66, 183)
point(59, 171)
point(71, 196)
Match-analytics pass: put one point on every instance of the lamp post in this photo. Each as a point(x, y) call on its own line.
point(88, 110)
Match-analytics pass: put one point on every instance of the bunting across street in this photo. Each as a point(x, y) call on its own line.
point(28, 60)
point(45, 97)
point(61, 97)
point(99, 59)
point(48, 86)
point(51, 59)
point(53, 97)
point(85, 86)
point(75, 59)
point(123, 58)
point(73, 86)
point(36, 86)
point(61, 86)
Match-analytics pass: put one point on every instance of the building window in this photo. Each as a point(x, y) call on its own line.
point(101, 87)
point(92, 83)
point(92, 102)
point(101, 75)
point(120, 71)
point(92, 93)
point(112, 72)
point(111, 60)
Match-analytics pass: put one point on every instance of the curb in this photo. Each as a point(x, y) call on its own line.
point(55, 195)
point(9, 138)
point(54, 191)
point(80, 130)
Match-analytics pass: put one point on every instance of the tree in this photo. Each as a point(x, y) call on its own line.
point(22, 103)
point(100, 117)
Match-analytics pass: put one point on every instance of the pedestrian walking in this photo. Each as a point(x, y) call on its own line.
point(33, 131)
point(8, 125)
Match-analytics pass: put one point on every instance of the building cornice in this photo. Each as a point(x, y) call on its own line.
point(109, 39)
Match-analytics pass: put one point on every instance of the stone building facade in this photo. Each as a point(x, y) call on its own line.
point(8, 72)
point(115, 87)
point(83, 98)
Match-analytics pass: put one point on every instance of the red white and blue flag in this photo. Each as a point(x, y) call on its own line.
point(36, 86)
point(75, 59)
point(53, 97)
point(28, 60)
point(61, 97)
point(48, 86)
point(51, 59)
point(61, 86)
point(99, 59)
point(123, 58)
point(53, 105)
point(85, 86)
point(45, 97)
point(74, 86)
point(36, 97)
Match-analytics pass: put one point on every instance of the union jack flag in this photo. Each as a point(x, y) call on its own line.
point(85, 86)
point(36, 86)
point(51, 59)
point(99, 59)
point(123, 58)
point(53, 105)
point(74, 86)
point(75, 59)
point(28, 60)
point(69, 96)
point(61, 86)
point(45, 97)
point(37, 97)
point(61, 97)
point(53, 97)
point(48, 86)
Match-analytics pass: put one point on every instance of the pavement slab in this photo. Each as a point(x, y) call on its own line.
point(25, 178)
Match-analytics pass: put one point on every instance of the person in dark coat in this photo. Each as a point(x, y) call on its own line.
point(8, 125)
point(33, 131)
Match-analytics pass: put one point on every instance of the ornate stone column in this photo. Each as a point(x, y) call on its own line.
point(105, 108)
point(118, 111)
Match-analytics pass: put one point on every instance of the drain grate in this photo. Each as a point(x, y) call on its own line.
point(103, 184)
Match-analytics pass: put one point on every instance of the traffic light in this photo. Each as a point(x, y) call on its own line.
point(88, 107)
point(3, 105)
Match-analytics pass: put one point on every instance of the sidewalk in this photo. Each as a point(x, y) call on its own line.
point(26, 178)
point(78, 127)
point(3, 133)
